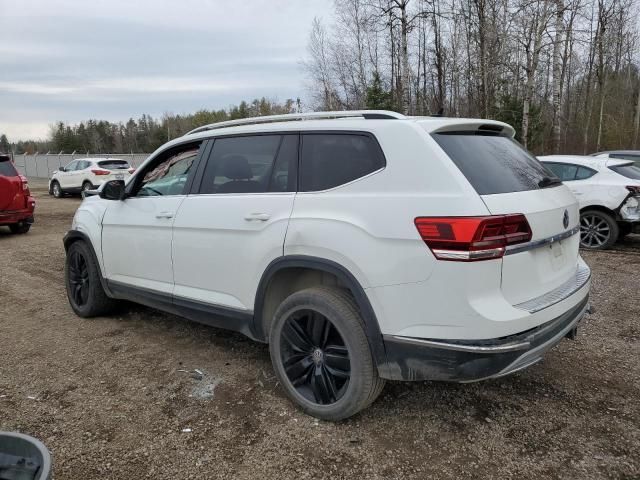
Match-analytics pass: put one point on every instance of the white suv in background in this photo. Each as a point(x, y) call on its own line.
point(362, 246)
point(86, 174)
point(608, 190)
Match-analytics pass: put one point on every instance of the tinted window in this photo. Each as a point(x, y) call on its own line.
point(114, 164)
point(493, 163)
point(629, 170)
point(330, 160)
point(6, 168)
point(246, 164)
point(563, 171)
point(284, 175)
point(169, 176)
point(625, 156)
point(584, 173)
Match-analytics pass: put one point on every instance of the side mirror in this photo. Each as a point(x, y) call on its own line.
point(113, 190)
point(62, 169)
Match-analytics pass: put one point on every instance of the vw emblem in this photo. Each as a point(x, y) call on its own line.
point(565, 219)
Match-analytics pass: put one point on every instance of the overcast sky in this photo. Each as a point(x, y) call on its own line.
point(71, 60)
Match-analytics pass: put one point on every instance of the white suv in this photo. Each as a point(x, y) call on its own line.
point(608, 190)
point(362, 246)
point(86, 174)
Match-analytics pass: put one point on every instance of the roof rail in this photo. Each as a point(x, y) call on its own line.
point(292, 117)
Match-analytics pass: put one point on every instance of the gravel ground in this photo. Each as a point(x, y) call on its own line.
point(118, 398)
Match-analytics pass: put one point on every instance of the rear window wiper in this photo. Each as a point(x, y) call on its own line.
point(549, 181)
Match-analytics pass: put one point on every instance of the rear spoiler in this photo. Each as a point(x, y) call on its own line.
point(480, 127)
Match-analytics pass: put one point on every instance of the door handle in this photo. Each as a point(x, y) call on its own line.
point(263, 217)
point(164, 215)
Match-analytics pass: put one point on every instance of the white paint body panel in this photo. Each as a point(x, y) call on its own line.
point(136, 245)
point(221, 247)
point(604, 189)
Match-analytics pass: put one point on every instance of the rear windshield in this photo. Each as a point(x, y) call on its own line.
point(495, 163)
point(114, 164)
point(628, 170)
point(6, 168)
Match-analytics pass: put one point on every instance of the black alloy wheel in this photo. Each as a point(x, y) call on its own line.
point(315, 357)
point(79, 282)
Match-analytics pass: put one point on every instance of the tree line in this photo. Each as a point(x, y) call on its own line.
point(564, 73)
point(143, 135)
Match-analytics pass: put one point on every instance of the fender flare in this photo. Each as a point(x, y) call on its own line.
point(371, 325)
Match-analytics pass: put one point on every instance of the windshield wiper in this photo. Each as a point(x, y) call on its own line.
point(549, 181)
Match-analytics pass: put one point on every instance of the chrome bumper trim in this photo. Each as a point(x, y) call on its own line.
point(507, 347)
point(568, 288)
point(535, 355)
point(542, 242)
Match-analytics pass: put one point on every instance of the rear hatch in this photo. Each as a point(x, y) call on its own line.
point(118, 169)
point(510, 180)
point(11, 195)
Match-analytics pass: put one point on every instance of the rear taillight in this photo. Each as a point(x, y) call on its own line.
point(132, 170)
point(634, 189)
point(467, 239)
point(25, 184)
point(98, 171)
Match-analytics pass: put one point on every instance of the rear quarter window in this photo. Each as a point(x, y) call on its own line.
point(329, 160)
point(493, 163)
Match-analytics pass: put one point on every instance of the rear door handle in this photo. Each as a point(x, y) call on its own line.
point(164, 215)
point(263, 217)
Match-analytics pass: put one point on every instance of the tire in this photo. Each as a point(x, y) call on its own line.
point(327, 370)
point(87, 186)
point(20, 228)
point(82, 280)
point(598, 230)
point(56, 191)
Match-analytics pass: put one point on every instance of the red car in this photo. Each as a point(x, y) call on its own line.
point(16, 203)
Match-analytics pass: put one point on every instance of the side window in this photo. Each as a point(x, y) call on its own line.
point(82, 165)
point(285, 170)
point(70, 167)
point(169, 175)
point(584, 173)
point(330, 160)
point(248, 164)
point(563, 171)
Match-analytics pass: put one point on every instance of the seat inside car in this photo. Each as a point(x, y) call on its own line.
point(237, 169)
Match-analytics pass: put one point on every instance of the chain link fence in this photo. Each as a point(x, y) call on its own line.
point(42, 165)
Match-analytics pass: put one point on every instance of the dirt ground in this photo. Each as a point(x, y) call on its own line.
point(118, 398)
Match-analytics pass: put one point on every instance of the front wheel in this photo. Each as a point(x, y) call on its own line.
point(598, 230)
point(56, 190)
point(82, 278)
point(321, 355)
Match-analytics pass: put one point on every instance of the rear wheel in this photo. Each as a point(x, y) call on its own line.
point(20, 228)
point(321, 355)
point(87, 186)
point(56, 190)
point(598, 230)
point(82, 278)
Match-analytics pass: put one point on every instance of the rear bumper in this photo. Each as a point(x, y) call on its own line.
point(469, 361)
point(17, 216)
